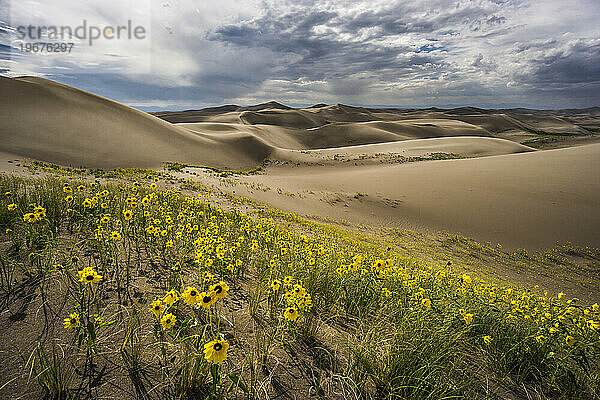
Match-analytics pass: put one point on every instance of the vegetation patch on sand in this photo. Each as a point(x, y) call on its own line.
point(178, 167)
point(131, 287)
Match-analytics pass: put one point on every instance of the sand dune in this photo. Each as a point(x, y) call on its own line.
point(343, 134)
point(300, 119)
point(48, 121)
point(373, 142)
point(584, 121)
point(201, 115)
point(273, 136)
point(395, 152)
point(549, 124)
point(528, 200)
point(546, 128)
point(384, 131)
point(495, 123)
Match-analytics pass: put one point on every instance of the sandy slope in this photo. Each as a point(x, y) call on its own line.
point(530, 200)
point(399, 151)
point(52, 122)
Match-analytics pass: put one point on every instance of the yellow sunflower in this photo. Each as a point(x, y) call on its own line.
point(291, 314)
point(157, 308)
point(170, 297)
point(127, 214)
point(114, 235)
point(426, 303)
point(207, 299)
point(275, 285)
point(72, 321)
point(191, 296)
point(88, 275)
point(168, 320)
point(30, 218)
point(216, 351)
point(540, 339)
point(220, 289)
point(570, 340)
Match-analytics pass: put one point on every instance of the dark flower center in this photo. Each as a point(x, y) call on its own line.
point(168, 321)
point(217, 346)
point(90, 277)
point(207, 299)
point(157, 308)
point(193, 293)
point(292, 311)
point(218, 289)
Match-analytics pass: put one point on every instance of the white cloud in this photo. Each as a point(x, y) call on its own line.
point(424, 52)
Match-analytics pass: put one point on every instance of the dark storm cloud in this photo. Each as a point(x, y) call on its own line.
point(325, 44)
point(576, 63)
point(406, 42)
point(560, 73)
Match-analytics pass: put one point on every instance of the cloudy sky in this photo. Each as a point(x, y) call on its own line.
point(418, 53)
